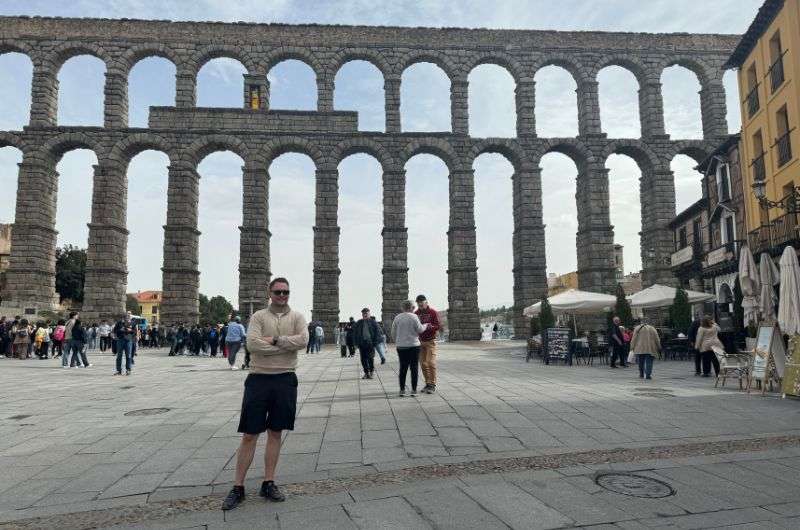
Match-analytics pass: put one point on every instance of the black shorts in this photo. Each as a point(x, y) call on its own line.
point(269, 402)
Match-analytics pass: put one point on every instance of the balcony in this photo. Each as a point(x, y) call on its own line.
point(784, 146)
point(681, 256)
point(727, 252)
point(776, 76)
point(759, 169)
point(752, 102)
point(781, 231)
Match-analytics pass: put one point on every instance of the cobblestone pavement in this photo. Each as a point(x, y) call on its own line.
point(502, 444)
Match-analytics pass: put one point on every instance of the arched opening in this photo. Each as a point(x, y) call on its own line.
point(556, 103)
point(16, 74)
point(148, 180)
point(220, 83)
point(360, 245)
point(492, 103)
point(681, 95)
point(10, 157)
point(358, 86)
point(292, 86)
point(219, 218)
point(425, 99)
point(494, 226)
point(560, 215)
point(625, 205)
point(619, 102)
point(688, 182)
point(292, 191)
point(81, 97)
point(427, 220)
point(732, 102)
point(151, 83)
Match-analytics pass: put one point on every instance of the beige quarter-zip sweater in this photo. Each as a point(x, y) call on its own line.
point(292, 331)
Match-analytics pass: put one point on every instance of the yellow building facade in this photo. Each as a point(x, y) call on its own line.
point(768, 63)
point(149, 305)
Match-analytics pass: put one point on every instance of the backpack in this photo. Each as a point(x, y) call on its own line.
point(22, 333)
point(318, 332)
point(58, 334)
point(212, 334)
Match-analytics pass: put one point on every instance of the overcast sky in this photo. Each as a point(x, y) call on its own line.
point(359, 86)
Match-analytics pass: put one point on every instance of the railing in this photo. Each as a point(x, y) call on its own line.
point(776, 76)
point(784, 145)
point(752, 101)
point(759, 169)
point(759, 239)
point(780, 231)
point(726, 252)
point(681, 256)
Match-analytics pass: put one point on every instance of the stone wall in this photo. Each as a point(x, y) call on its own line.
point(260, 135)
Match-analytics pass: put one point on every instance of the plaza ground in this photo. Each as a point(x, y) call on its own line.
point(503, 443)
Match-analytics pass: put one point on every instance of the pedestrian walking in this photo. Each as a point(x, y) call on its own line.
point(5, 329)
point(233, 340)
point(104, 332)
point(22, 338)
point(427, 348)
point(706, 343)
point(274, 337)
point(405, 331)
point(311, 327)
point(125, 335)
point(381, 347)
point(341, 339)
point(319, 338)
point(645, 344)
point(367, 336)
point(213, 340)
point(69, 343)
point(616, 337)
point(79, 337)
point(350, 338)
point(691, 335)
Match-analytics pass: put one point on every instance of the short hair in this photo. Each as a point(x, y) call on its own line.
point(407, 305)
point(421, 298)
point(72, 314)
point(279, 279)
point(707, 322)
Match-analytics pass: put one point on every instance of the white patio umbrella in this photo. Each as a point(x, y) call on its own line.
point(658, 295)
point(575, 302)
point(770, 277)
point(789, 308)
point(750, 284)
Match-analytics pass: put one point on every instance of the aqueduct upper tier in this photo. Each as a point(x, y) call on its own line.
point(187, 133)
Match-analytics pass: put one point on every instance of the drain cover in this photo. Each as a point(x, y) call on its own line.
point(634, 485)
point(147, 412)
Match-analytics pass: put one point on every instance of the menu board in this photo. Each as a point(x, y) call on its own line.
point(761, 352)
point(557, 343)
point(769, 357)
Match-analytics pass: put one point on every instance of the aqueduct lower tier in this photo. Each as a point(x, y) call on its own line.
point(187, 134)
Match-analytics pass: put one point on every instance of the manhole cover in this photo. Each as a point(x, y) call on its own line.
point(147, 412)
point(634, 485)
point(20, 417)
point(654, 394)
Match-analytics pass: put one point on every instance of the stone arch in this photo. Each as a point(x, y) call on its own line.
point(206, 145)
point(361, 54)
point(644, 157)
point(291, 144)
point(15, 46)
point(68, 50)
point(580, 154)
point(125, 150)
point(208, 53)
point(426, 56)
point(12, 140)
point(698, 151)
point(55, 148)
point(577, 70)
point(131, 57)
point(510, 150)
point(437, 147)
point(627, 62)
point(498, 59)
point(690, 63)
point(362, 145)
point(285, 53)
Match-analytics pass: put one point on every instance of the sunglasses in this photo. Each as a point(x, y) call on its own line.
point(281, 293)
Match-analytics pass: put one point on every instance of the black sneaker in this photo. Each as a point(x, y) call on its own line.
point(271, 491)
point(383, 360)
point(234, 498)
point(432, 389)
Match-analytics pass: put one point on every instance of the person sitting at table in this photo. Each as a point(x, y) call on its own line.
point(706, 342)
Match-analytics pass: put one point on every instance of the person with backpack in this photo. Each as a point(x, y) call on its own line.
point(22, 338)
point(349, 336)
point(69, 345)
point(58, 339)
point(79, 337)
point(319, 338)
point(213, 339)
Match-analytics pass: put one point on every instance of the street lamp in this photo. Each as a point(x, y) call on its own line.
point(789, 202)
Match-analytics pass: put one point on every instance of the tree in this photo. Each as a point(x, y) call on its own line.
point(214, 309)
point(132, 305)
point(70, 272)
point(622, 308)
point(680, 313)
point(546, 317)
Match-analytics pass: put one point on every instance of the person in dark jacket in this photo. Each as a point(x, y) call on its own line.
point(367, 335)
point(196, 339)
point(79, 339)
point(213, 339)
point(349, 336)
point(617, 340)
point(692, 336)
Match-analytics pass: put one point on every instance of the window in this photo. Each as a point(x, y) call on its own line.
point(723, 182)
point(791, 198)
point(728, 229)
point(696, 235)
point(751, 100)
point(682, 238)
point(155, 309)
point(776, 59)
point(759, 171)
point(782, 142)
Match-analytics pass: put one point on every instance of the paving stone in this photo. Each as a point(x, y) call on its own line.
point(515, 507)
point(317, 519)
point(453, 509)
point(134, 484)
point(385, 513)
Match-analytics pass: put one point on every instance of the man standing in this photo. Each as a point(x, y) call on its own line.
point(367, 336)
point(233, 339)
point(427, 339)
point(269, 403)
point(125, 335)
point(65, 357)
point(350, 336)
point(104, 331)
point(617, 343)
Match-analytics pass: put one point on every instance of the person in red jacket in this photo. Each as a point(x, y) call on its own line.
point(427, 339)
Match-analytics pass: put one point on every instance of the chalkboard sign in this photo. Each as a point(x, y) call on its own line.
point(769, 357)
point(557, 343)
